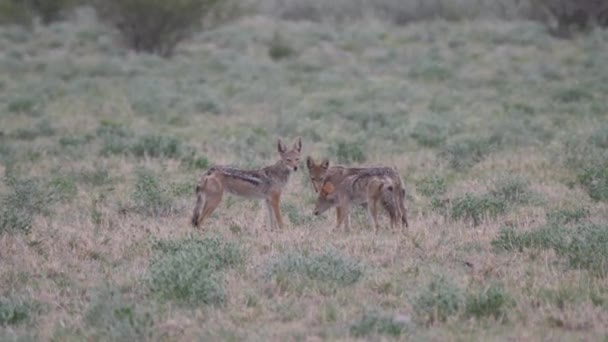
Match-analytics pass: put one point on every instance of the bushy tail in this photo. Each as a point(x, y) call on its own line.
point(200, 203)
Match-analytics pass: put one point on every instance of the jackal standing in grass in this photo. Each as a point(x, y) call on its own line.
point(266, 183)
point(392, 201)
point(361, 188)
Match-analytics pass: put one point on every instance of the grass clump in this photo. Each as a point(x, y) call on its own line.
point(13, 312)
point(279, 48)
point(566, 216)
point(440, 300)
point(513, 190)
point(466, 151)
point(488, 302)
point(157, 146)
point(477, 207)
point(432, 185)
point(25, 199)
point(112, 315)
point(584, 246)
point(149, 196)
point(348, 152)
point(373, 323)
point(303, 268)
point(189, 271)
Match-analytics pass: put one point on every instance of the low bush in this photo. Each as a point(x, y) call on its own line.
point(155, 26)
point(303, 268)
point(463, 152)
point(492, 301)
point(25, 199)
point(112, 315)
point(189, 271)
point(373, 323)
point(13, 311)
point(150, 196)
point(477, 207)
point(440, 300)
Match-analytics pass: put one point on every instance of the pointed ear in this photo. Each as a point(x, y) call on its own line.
point(328, 188)
point(281, 147)
point(310, 163)
point(297, 146)
point(325, 164)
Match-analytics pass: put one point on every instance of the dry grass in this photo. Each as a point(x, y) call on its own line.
point(82, 270)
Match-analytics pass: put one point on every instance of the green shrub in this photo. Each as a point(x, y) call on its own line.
point(24, 105)
point(348, 152)
point(565, 216)
point(302, 268)
point(489, 302)
point(113, 316)
point(594, 179)
point(150, 197)
point(25, 199)
point(476, 208)
point(569, 95)
point(14, 12)
point(545, 237)
point(115, 138)
point(464, 152)
point(584, 246)
point(279, 48)
point(563, 17)
point(440, 300)
point(63, 188)
point(157, 146)
point(588, 249)
point(50, 10)
point(431, 133)
point(155, 26)
point(14, 312)
point(373, 323)
point(432, 185)
point(41, 129)
point(188, 271)
point(513, 190)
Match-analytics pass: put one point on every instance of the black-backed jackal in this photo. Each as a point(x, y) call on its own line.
point(392, 201)
point(266, 183)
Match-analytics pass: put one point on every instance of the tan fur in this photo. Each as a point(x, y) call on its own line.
point(266, 183)
point(392, 202)
point(355, 189)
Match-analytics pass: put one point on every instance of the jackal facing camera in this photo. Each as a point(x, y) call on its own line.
point(266, 183)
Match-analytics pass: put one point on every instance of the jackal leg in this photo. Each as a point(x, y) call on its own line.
point(339, 217)
point(212, 198)
point(372, 210)
point(346, 217)
point(271, 219)
point(275, 199)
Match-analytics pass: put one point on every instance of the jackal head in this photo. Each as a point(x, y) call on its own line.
point(327, 198)
point(316, 172)
point(290, 158)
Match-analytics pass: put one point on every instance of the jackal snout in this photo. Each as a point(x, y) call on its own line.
point(291, 158)
point(316, 172)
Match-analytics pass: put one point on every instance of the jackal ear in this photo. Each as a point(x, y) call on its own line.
point(281, 147)
point(297, 146)
point(310, 163)
point(325, 164)
point(328, 188)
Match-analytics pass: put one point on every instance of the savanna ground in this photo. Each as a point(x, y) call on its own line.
point(498, 129)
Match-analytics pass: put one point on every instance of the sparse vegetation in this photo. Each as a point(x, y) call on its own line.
point(496, 126)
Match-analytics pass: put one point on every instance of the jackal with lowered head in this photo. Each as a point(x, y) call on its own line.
point(360, 188)
point(392, 201)
point(266, 183)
